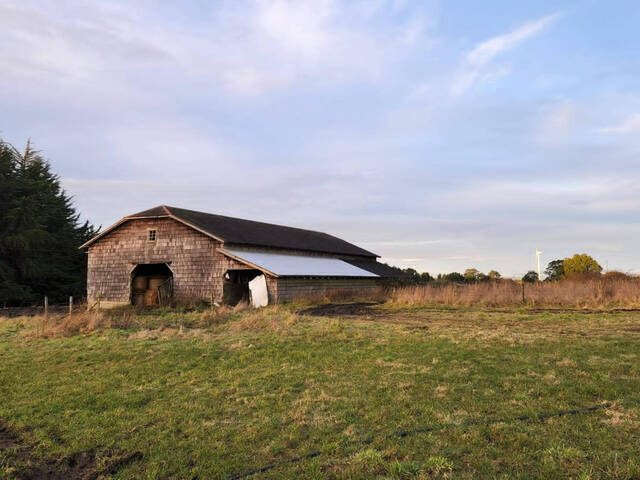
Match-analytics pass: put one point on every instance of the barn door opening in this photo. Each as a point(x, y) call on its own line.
point(151, 284)
point(236, 286)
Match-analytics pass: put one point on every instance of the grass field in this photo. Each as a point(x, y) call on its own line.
point(377, 392)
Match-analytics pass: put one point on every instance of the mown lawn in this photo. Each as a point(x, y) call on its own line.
point(263, 388)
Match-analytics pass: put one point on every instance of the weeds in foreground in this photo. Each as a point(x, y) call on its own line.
point(373, 462)
point(161, 322)
point(77, 323)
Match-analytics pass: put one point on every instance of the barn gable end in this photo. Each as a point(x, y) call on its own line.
point(193, 258)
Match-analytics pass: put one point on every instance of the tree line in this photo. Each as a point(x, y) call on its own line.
point(40, 232)
point(577, 266)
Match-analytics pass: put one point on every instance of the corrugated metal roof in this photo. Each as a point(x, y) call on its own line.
point(298, 265)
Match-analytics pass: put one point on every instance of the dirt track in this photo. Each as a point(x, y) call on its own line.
point(77, 466)
point(339, 309)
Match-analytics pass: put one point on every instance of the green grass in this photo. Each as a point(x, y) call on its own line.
point(265, 387)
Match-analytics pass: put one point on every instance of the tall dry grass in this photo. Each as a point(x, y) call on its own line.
point(82, 322)
point(595, 293)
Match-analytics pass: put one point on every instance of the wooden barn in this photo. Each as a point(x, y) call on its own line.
point(168, 254)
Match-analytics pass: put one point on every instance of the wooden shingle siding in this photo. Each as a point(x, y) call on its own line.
point(197, 266)
point(194, 258)
point(288, 289)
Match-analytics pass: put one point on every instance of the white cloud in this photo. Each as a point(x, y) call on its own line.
point(402, 243)
point(558, 122)
point(481, 56)
point(298, 27)
point(247, 47)
point(630, 125)
point(486, 51)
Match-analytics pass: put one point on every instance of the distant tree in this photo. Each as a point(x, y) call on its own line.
point(581, 264)
point(530, 277)
point(40, 232)
point(453, 277)
point(411, 272)
point(471, 274)
point(494, 275)
point(555, 270)
point(407, 276)
point(425, 277)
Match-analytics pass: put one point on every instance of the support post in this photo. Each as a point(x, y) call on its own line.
point(523, 299)
point(46, 308)
point(70, 306)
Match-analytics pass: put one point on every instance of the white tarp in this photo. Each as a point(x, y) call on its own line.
point(300, 265)
point(258, 291)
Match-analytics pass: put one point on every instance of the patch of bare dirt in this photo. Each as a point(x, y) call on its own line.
point(77, 466)
point(340, 309)
point(7, 437)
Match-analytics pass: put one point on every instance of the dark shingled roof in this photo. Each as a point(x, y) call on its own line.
point(248, 232)
point(380, 269)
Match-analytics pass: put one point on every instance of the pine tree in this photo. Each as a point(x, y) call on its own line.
point(40, 232)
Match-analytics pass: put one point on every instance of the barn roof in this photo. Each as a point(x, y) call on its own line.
point(238, 231)
point(297, 265)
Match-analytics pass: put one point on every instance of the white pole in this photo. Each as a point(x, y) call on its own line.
point(538, 253)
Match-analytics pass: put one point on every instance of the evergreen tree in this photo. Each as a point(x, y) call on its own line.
point(40, 232)
point(555, 270)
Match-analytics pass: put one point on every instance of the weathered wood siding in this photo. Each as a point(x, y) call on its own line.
point(287, 289)
point(193, 257)
point(197, 266)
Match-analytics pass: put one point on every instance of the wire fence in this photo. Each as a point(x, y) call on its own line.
point(540, 417)
point(46, 309)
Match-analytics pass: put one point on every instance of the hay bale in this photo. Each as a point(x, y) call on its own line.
point(156, 281)
point(151, 297)
point(138, 299)
point(140, 283)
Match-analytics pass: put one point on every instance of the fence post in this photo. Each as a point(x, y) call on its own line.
point(70, 306)
point(523, 299)
point(46, 308)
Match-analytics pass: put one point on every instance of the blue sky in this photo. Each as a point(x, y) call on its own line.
point(441, 135)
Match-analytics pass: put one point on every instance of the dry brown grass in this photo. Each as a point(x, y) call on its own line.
point(273, 318)
point(605, 292)
point(82, 322)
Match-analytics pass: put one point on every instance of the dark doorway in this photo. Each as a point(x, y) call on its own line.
point(236, 286)
point(151, 284)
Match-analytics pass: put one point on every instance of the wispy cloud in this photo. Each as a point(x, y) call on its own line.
point(402, 243)
point(478, 60)
point(299, 27)
point(558, 121)
point(340, 116)
point(246, 47)
point(630, 125)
